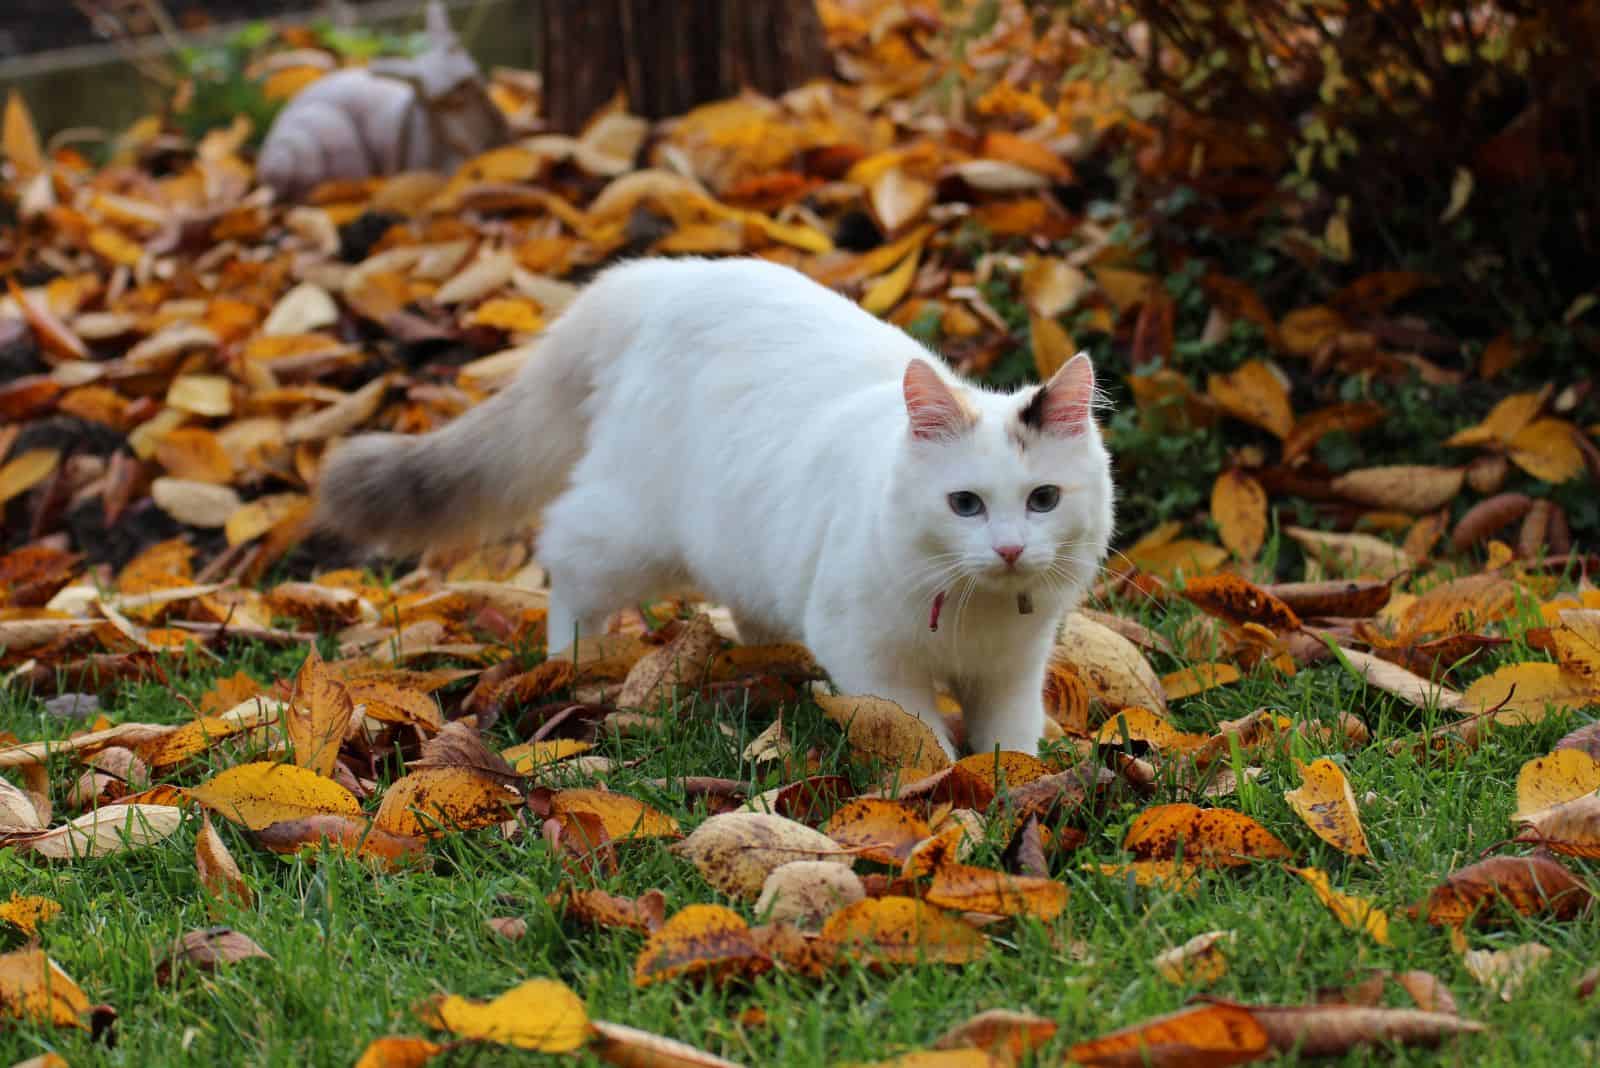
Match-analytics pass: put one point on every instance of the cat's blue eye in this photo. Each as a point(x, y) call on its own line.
point(1044, 498)
point(965, 503)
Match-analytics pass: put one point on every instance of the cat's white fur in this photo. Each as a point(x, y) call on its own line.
point(734, 426)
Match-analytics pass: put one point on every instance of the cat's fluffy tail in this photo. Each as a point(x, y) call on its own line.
point(481, 475)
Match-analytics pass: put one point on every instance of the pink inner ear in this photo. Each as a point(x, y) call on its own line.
point(1069, 397)
point(934, 410)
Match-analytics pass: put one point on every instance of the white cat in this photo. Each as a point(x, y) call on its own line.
point(734, 426)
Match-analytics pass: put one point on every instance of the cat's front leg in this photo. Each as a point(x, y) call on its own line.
point(1004, 708)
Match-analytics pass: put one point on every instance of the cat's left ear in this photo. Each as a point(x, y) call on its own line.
point(1063, 405)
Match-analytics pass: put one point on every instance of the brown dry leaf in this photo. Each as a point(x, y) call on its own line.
point(1351, 554)
point(1412, 488)
point(1356, 913)
point(1329, 1030)
point(1113, 668)
point(900, 930)
point(966, 888)
point(644, 914)
point(629, 1047)
point(684, 662)
point(1392, 678)
point(398, 1051)
point(1052, 346)
point(1204, 1036)
point(17, 811)
point(1324, 800)
point(1571, 828)
point(104, 831)
point(1314, 426)
point(1200, 961)
point(882, 729)
point(1338, 598)
point(877, 829)
point(355, 836)
point(1215, 837)
point(623, 817)
point(806, 892)
point(1009, 1035)
point(1240, 601)
point(1532, 886)
point(537, 1014)
point(205, 949)
point(34, 989)
point(394, 704)
point(27, 913)
point(736, 851)
point(1563, 775)
point(189, 740)
point(1183, 878)
point(1239, 509)
point(20, 139)
point(1504, 971)
point(260, 794)
point(708, 939)
point(318, 715)
point(438, 800)
point(219, 873)
point(1197, 678)
point(1255, 394)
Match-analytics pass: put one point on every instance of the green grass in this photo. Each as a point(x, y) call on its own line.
point(353, 950)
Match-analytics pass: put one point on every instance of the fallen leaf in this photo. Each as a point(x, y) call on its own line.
point(398, 1051)
point(261, 794)
point(1197, 678)
point(26, 913)
point(1563, 775)
point(644, 914)
point(219, 872)
point(1504, 971)
point(876, 829)
point(1239, 601)
point(1324, 800)
point(882, 729)
point(966, 888)
point(629, 1047)
point(105, 831)
point(1255, 394)
point(1204, 1036)
point(700, 939)
point(318, 714)
point(205, 949)
point(806, 892)
point(432, 801)
point(1412, 488)
point(623, 817)
point(1007, 1034)
point(1239, 509)
point(1216, 837)
point(34, 989)
point(736, 851)
point(1532, 886)
point(900, 930)
point(1329, 1030)
point(537, 1014)
point(1112, 667)
point(1356, 913)
point(1571, 828)
point(1200, 961)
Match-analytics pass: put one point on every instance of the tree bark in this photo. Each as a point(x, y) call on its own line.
point(671, 55)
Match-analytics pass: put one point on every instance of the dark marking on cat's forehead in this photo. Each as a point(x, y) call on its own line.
point(1031, 418)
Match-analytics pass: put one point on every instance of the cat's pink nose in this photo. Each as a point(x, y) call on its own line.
point(1009, 553)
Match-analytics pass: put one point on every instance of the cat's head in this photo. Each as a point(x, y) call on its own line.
point(1004, 492)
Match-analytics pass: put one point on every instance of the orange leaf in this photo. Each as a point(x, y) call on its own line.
point(1532, 886)
point(901, 930)
point(1256, 395)
point(1205, 1036)
point(700, 939)
point(1197, 678)
point(884, 831)
point(432, 801)
point(1240, 601)
point(1215, 837)
point(1325, 802)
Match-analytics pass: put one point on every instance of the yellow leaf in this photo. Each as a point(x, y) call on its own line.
point(1214, 837)
point(1563, 775)
point(1523, 693)
point(1357, 913)
point(709, 939)
point(1052, 348)
point(261, 794)
point(1325, 801)
point(1239, 508)
point(1548, 450)
point(219, 872)
point(26, 471)
point(438, 800)
point(622, 816)
point(21, 140)
point(1137, 724)
point(539, 1014)
point(887, 291)
point(263, 514)
point(1124, 288)
point(318, 715)
point(111, 245)
point(27, 913)
point(515, 314)
point(1256, 395)
point(882, 729)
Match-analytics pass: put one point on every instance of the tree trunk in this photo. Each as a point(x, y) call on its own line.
point(670, 55)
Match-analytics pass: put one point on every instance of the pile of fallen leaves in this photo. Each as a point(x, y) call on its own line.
point(178, 351)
